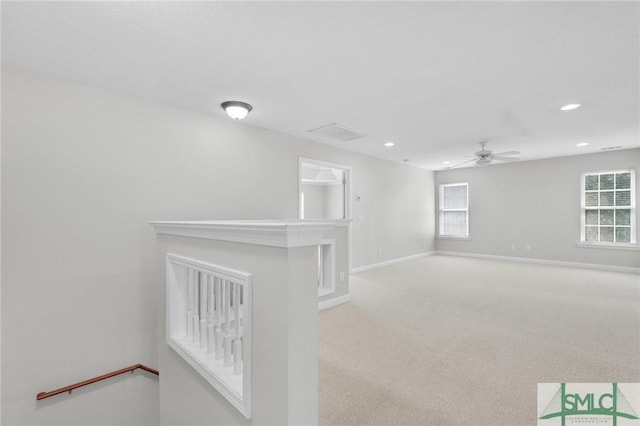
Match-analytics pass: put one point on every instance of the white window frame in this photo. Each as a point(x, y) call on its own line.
point(442, 210)
point(584, 208)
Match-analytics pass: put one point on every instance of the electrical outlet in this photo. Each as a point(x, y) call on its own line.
point(529, 247)
point(341, 276)
point(513, 246)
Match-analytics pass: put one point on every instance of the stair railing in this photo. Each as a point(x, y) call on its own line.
point(43, 395)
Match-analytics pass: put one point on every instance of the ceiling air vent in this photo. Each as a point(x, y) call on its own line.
point(609, 148)
point(337, 132)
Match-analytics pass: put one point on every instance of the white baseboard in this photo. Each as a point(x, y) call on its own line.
point(390, 262)
point(599, 267)
point(330, 303)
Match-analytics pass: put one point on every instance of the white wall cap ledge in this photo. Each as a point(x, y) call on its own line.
point(274, 233)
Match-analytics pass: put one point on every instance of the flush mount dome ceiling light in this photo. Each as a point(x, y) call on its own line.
point(569, 107)
point(236, 109)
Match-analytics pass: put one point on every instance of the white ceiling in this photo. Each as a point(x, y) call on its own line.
point(434, 77)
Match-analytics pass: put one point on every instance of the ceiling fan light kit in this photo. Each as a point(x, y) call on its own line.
point(484, 157)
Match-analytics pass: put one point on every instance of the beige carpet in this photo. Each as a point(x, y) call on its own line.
point(457, 341)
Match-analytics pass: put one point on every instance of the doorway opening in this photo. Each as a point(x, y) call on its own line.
point(324, 190)
point(326, 267)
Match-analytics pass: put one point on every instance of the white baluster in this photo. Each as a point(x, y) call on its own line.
point(210, 339)
point(227, 305)
point(194, 302)
point(196, 329)
point(228, 362)
point(227, 322)
point(236, 307)
point(237, 356)
point(203, 310)
point(218, 329)
point(210, 313)
point(189, 291)
point(219, 344)
point(241, 305)
point(320, 268)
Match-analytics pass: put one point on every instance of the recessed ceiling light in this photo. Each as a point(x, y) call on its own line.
point(389, 144)
point(569, 107)
point(582, 144)
point(446, 162)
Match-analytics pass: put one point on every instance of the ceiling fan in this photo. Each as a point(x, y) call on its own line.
point(485, 156)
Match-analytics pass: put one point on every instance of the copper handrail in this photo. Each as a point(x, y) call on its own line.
point(43, 395)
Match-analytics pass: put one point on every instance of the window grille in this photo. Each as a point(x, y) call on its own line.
point(454, 210)
point(608, 207)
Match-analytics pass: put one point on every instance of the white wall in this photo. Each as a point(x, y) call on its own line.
point(535, 203)
point(322, 201)
point(284, 365)
point(314, 200)
point(83, 170)
point(334, 201)
point(391, 219)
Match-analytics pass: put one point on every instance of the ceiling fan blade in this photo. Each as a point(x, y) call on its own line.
point(461, 164)
point(501, 158)
point(506, 153)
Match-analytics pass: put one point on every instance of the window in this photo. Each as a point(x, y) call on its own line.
point(454, 210)
point(608, 207)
